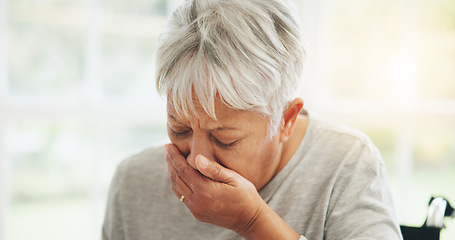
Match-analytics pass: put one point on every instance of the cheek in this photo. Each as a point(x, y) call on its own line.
point(246, 160)
point(229, 159)
point(264, 158)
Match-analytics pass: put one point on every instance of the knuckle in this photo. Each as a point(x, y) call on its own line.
point(173, 177)
point(181, 170)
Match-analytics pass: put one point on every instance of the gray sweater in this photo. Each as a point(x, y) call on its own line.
point(334, 187)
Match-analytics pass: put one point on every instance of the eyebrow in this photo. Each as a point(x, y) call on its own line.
point(213, 130)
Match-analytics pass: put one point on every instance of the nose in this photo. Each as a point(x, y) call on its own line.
point(200, 144)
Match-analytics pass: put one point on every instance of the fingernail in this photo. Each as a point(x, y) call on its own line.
point(203, 161)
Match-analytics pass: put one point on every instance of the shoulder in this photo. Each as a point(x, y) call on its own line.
point(337, 138)
point(354, 181)
point(335, 132)
point(338, 148)
point(146, 158)
point(344, 157)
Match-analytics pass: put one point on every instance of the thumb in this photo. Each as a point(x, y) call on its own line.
point(214, 170)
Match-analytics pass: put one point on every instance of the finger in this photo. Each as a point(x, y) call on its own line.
point(178, 185)
point(178, 194)
point(184, 170)
point(214, 170)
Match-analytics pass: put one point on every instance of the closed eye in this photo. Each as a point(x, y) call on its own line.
point(179, 133)
point(223, 144)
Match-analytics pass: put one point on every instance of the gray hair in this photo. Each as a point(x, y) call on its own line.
point(247, 52)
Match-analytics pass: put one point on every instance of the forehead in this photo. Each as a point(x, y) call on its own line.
point(222, 112)
point(226, 117)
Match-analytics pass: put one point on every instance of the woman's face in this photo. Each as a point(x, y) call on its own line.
point(237, 140)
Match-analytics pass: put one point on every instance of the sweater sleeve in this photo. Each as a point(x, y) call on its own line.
point(361, 205)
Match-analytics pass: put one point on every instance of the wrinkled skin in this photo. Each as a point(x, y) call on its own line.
point(219, 165)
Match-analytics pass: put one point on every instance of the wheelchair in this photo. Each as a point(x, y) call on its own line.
point(438, 209)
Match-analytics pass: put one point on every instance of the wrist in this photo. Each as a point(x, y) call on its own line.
point(253, 226)
point(266, 224)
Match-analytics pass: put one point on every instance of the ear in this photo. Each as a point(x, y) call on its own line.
point(289, 119)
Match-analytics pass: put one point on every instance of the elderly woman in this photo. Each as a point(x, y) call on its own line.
point(245, 159)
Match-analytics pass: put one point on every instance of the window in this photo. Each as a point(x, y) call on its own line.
point(77, 96)
point(386, 67)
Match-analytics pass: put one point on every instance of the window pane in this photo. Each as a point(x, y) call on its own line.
point(129, 66)
point(383, 49)
point(436, 48)
point(46, 2)
point(45, 49)
point(121, 141)
point(51, 171)
point(130, 31)
point(62, 170)
point(138, 7)
point(433, 174)
point(48, 154)
point(364, 40)
point(384, 141)
point(65, 218)
point(435, 147)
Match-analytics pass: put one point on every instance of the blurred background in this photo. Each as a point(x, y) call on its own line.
point(77, 97)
